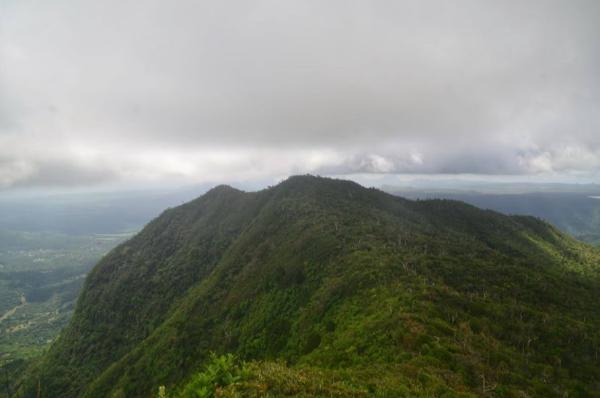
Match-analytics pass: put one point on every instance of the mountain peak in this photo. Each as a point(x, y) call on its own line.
point(332, 275)
point(223, 188)
point(308, 183)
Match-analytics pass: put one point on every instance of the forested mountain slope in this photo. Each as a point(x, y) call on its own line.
point(347, 291)
point(576, 213)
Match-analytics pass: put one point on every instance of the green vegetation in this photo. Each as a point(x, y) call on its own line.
point(40, 277)
point(325, 288)
point(576, 212)
point(221, 371)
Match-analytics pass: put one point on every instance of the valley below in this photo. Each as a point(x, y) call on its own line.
point(41, 275)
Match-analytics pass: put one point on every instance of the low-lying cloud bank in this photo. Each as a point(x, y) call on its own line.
point(117, 91)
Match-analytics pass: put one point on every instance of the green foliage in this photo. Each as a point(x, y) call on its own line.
point(41, 275)
point(329, 289)
point(220, 372)
point(575, 211)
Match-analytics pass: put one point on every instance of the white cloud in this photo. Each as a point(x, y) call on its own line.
point(198, 90)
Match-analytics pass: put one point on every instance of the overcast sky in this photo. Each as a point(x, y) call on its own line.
point(135, 92)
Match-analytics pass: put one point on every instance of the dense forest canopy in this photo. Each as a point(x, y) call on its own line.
point(319, 279)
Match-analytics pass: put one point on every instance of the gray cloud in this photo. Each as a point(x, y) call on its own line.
point(16, 172)
point(123, 90)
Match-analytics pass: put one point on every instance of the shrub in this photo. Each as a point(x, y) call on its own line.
point(220, 372)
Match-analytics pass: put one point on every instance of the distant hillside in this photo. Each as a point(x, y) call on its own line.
point(331, 289)
point(576, 213)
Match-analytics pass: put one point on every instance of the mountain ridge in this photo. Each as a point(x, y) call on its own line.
point(266, 274)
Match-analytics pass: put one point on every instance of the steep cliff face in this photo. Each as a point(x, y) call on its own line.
point(325, 274)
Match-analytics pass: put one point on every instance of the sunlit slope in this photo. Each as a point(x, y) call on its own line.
point(383, 295)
